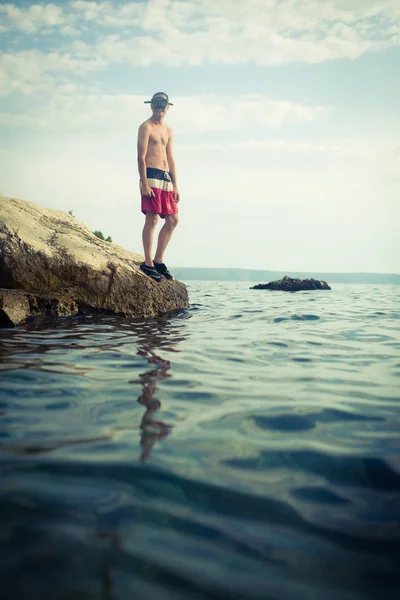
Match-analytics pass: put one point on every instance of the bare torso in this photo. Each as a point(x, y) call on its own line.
point(156, 156)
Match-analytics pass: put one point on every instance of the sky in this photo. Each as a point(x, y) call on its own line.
point(286, 124)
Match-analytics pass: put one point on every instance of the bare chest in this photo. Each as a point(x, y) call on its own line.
point(159, 137)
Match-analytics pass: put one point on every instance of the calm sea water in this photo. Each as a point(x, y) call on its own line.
point(248, 447)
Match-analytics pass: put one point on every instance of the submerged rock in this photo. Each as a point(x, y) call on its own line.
point(287, 284)
point(52, 264)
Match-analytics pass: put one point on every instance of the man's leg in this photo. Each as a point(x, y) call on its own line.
point(147, 237)
point(171, 221)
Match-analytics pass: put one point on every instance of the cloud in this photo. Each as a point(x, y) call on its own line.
point(264, 32)
point(70, 109)
point(70, 31)
point(30, 71)
point(108, 15)
point(95, 36)
point(33, 18)
point(230, 32)
point(381, 153)
point(218, 113)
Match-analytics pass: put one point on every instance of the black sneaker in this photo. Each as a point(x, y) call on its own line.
point(163, 270)
point(150, 271)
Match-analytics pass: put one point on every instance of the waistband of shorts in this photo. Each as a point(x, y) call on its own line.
point(152, 173)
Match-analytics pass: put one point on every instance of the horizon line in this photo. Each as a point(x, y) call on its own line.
point(293, 271)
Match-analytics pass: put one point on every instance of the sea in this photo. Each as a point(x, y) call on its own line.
point(245, 448)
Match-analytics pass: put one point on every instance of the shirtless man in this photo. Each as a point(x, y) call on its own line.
point(158, 186)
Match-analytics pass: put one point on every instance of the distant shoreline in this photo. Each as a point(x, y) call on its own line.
point(220, 274)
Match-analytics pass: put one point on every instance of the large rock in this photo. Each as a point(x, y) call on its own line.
point(16, 306)
point(288, 284)
point(58, 267)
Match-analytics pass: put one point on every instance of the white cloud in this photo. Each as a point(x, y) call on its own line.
point(283, 34)
point(33, 18)
point(69, 109)
point(226, 32)
point(30, 71)
point(69, 31)
point(364, 157)
point(216, 113)
point(107, 14)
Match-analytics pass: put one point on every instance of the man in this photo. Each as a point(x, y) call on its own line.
point(158, 185)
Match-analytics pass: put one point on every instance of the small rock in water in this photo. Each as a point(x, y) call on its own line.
point(288, 284)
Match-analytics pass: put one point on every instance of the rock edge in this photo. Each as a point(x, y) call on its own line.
point(53, 265)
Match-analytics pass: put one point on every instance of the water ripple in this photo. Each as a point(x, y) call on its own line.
point(247, 447)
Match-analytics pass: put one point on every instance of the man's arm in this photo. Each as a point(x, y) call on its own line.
point(171, 164)
point(142, 145)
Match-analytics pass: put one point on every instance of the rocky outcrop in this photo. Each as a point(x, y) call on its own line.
point(52, 264)
point(287, 284)
point(16, 306)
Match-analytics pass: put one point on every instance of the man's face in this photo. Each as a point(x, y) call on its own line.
point(159, 105)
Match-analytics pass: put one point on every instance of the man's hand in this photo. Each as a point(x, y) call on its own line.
point(147, 191)
point(176, 193)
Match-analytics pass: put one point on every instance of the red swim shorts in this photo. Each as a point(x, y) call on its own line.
point(164, 201)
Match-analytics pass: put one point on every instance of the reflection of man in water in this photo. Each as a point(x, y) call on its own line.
point(154, 336)
point(151, 336)
point(151, 429)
